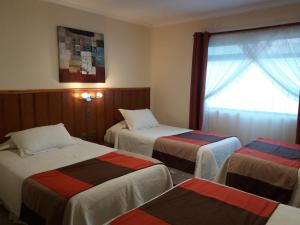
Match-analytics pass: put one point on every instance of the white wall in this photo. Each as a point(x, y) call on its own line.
point(28, 46)
point(135, 55)
point(171, 57)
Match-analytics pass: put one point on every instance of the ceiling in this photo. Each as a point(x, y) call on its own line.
point(162, 12)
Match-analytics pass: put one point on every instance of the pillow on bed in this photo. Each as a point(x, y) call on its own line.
point(138, 119)
point(109, 136)
point(7, 145)
point(118, 126)
point(32, 141)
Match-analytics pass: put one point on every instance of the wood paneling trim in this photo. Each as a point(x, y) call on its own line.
point(68, 90)
point(68, 112)
point(21, 109)
point(11, 113)
point(41, 109)
point(55, 107)
point(27, 111)
point(109, 108)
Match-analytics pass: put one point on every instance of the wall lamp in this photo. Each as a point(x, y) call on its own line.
point(89, 96)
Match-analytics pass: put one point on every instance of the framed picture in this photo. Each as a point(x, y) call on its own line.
point(81, 56)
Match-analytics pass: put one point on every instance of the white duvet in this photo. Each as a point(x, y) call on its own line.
point(94, 206)
point(209, 159)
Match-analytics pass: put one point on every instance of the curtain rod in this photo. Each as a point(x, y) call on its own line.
point(257, 28)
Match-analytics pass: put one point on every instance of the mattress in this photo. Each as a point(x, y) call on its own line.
point(94, 206)
point(209, 157)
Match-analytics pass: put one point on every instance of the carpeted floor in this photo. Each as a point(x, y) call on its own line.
point(4, 217)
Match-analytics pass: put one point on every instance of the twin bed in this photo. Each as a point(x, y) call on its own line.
point(86, 183)
point(202, 202)
point(265, 167)
point(209, 157)
point(95, 205)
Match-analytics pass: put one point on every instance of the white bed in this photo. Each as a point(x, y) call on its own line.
point(209, 159)
point(94, 206)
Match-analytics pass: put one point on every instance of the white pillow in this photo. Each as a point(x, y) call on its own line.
point(138, 119)
point(8, 145)
point(109, 137)
point(32, 141)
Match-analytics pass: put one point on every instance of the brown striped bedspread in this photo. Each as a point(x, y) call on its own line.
point(201, 202)
point(45, 195)
point(265, 167)
point(180, 151)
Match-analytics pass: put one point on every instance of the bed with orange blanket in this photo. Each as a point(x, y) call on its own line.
point(206, 151)
point(265, 167)
point(80, 184)
point(202, 202)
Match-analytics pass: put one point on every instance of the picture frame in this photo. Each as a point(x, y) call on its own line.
point(81, 55)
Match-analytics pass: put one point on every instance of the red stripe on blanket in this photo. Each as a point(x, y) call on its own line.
point(210, 133)
point(63, 185)
point(280, 143)
point(191, 141)
point(269, 157)
point(138, 217)
point(257, 205)
point(125, 161)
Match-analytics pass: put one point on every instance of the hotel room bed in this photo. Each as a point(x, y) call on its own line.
point(93, 206)
point(265, 167)
point(202, 202)
point(209, 158)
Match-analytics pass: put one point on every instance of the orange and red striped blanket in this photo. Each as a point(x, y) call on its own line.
point(265, 167)
point(45, 195)
point(201, 202)
point(180, 151)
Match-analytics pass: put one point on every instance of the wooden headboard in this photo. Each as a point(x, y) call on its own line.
point(88, 120)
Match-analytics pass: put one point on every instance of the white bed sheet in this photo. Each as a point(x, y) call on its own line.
point(94, 206)
point(209, 159)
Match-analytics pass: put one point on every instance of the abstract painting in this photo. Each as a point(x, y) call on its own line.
point(81, 56)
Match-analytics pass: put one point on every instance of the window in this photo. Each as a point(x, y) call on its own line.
point(254, 91)
point(254, 78)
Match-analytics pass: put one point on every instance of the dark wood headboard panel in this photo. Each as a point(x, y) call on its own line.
point(88, 120)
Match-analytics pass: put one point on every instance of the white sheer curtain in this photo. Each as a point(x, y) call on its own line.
point(253, 83)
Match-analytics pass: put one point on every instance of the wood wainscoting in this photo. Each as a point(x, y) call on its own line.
point(21, 110)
